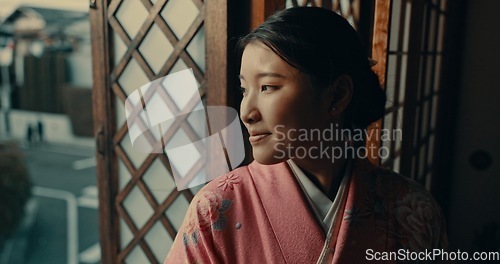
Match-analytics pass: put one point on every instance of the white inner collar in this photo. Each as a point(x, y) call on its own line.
point(320, 203)
point(324, 208)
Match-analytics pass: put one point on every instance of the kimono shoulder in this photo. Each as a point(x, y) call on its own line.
point(249, 215)
point(223, 217)
point(208, 210)
point(407, 213)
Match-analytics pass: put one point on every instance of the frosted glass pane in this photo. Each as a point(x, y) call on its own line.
point(437, 73)
point(402, 84)
point(395, 23)
point(136, 256)
point(125, 234)
point(416, 127)
point(425, 119)
point(140, 130)
point(138, 207)
point(350, 19)
point(131, 15)
point(386, 144)
point(431, 149)
point(196, 48)
point(384, 155)
point(137, 157)
point(396, 164)
point(182, 89)
point(157, 109)
point(344, 6)
point(183, 160)
point(179, 14)
point(428, 181)
point(183, 156)
point(406, 34)
point(413, 166)
point(179, 66)
point(391, 81)
point(432, 30)
point(178, 139)
point(120, 48)
point(120, 112)
point(198, 122)
point(163, 127)
point(159, 241)
point(434, 111)
point(159, 181)
point(428, 75)
point(422, 161)
point(132, 77)
point(399, 125)
point(177, 211)
point(156, 48)
point(123, 175)
point(388, 119)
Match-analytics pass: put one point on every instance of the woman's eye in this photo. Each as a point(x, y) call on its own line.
point(264, 88)
point(243, 91)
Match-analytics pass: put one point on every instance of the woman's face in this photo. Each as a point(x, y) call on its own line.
point(279, 104)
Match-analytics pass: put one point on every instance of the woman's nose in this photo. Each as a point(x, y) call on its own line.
point(249, 110)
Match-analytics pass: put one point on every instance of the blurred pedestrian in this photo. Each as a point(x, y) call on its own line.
point(40, 131)
point(29, 135)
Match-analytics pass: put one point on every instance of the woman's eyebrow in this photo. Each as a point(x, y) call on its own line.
point(264, 74)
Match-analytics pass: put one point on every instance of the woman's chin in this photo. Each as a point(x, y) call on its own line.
point(266, 159)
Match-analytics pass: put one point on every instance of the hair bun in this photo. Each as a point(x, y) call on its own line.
point(368, 101)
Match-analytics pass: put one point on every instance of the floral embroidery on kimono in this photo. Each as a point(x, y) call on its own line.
point(228, 181)
point(206, 212)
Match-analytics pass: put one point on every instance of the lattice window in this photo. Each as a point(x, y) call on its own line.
point(431, 54)
point(397, 66)
point(414, 102)
point(148, 40)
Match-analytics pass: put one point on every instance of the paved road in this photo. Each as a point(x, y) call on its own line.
point(70, 171)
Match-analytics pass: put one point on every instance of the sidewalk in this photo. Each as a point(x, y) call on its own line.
point(64, 148)
point(56, 129)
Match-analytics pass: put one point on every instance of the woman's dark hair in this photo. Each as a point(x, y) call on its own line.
point(322, 44)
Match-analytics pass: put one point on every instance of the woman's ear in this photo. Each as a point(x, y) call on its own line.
point(341, 93)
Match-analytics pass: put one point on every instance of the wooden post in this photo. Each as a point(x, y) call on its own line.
point(261, 9)
point(103, 129)
point(379, 54)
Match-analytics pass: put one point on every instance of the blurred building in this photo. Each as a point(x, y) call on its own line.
point(50, 75)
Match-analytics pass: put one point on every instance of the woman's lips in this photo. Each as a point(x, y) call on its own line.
point(256, 138)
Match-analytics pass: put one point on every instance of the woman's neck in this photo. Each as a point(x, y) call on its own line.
point(324, 173)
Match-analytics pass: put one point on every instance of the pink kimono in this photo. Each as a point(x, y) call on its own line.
point(259, 214)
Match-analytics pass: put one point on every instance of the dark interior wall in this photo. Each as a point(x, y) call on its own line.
point(474, 212)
